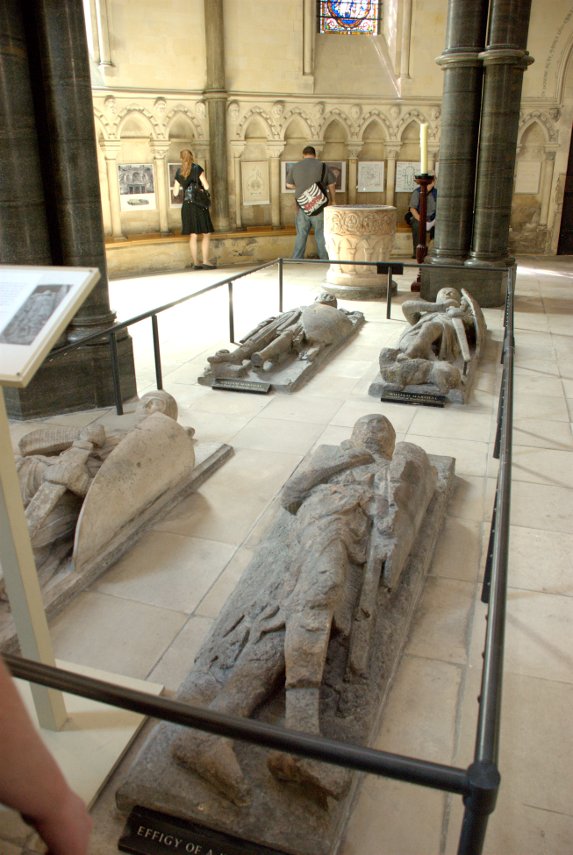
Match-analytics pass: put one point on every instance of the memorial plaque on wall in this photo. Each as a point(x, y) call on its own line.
point(528, 177)
point(255, 182)
point(405, 172)
point(148, 832)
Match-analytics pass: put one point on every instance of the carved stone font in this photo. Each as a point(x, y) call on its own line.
point(358, 233)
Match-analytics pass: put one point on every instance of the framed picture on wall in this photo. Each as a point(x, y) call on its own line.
point(255, 182)
point(136, 187)
point(371, 176)
point(285, 166)
point(405, 172)
point(174, 201)
point(338, 167)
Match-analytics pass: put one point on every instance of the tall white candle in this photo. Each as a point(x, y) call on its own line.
point(423, 148)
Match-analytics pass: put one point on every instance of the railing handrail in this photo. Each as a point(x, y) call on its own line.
point(353, 756)
point(487, 737)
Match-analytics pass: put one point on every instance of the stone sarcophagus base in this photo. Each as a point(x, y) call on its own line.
point(283, 352)
point(89, 503)
point(260, 653)
point(436, 357)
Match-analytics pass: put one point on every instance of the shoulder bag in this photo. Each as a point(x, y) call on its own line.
point(315, 198)
point(196, 193)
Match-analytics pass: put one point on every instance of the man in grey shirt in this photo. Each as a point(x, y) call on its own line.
point(300, 177)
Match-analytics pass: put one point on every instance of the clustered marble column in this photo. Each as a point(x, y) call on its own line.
point(52, 210)
point(461, 107)
point(216, 98)
point(505, 59)
point(480, 113)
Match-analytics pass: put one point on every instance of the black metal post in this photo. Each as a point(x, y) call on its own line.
point(281, 285)
point(156, 352)
point(231, 314)
point(115, 374)
point(479, 804)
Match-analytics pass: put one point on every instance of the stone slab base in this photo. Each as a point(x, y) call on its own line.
point(65, 584)
point(380, 388)
point(79, 380)
point(286, 376)
point(487, 284)
point(291, 817)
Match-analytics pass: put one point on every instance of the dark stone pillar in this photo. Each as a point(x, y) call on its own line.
point(61, 115)
point(460, 119)
point(24, 237)
point(60, 72)
point(505, 59)
point(216, 98)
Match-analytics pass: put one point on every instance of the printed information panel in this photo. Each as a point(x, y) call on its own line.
point(148, 832)
point(36, 305)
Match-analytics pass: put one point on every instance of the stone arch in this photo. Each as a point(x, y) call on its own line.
point(542, 121)
point(181, 125)
point(334, 119)
point(409, 118)
point(297, 125)
point(136, 121)
point(255, 137)
point(379, 117)
point(565, 71)
point(263, 116)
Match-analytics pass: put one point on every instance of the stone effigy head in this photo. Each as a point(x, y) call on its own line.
point(374, 433)
point(158, 401)
point(327, 299)
point(448, 295)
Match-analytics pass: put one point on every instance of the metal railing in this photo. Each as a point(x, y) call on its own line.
point(479, 783)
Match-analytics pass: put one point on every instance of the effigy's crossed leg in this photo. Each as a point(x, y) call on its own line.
point(296, 645)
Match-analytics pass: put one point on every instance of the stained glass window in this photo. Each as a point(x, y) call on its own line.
point(352, 16)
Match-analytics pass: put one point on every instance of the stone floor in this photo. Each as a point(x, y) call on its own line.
point(147, 615)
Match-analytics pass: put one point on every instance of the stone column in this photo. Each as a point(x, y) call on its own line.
point(391, 151)
point(353, 151)
point(111, 150)
point(238, 149)
point(61, 75)
point(460, 120)
point(275, 152)
point(159, 149)
point(24, 237)
point(547, 185)
point(216, 98)
point(505, 59)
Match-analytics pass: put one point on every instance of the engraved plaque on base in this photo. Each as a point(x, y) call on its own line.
point(148, 832)
point(238, 385)
point(426, 399)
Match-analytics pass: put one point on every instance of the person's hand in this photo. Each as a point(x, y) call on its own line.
point(66, 830)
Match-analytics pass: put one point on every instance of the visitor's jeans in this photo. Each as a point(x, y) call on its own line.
point(304, 224)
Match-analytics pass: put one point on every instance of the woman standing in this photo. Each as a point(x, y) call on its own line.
point(195, 220)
